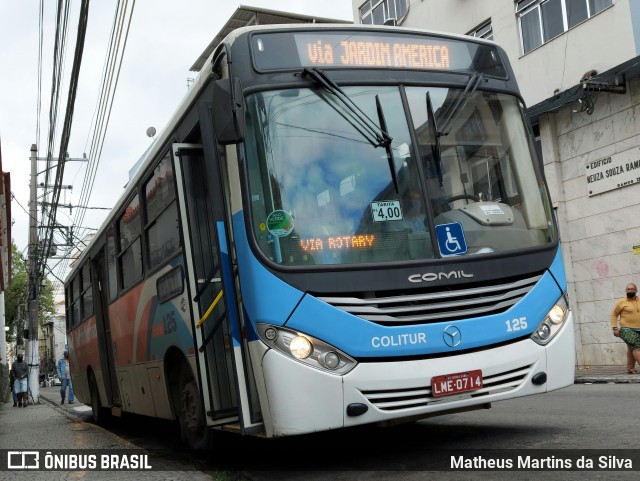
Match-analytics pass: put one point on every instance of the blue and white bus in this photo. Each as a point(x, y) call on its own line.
point(341, 225)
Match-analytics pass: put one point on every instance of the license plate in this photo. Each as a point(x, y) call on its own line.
point(456, 383)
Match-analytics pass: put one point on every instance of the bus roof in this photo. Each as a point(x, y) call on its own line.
point(246, 16)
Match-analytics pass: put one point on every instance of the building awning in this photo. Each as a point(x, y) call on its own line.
point(630, 69)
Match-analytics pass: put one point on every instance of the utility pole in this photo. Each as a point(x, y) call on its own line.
point(33, 356)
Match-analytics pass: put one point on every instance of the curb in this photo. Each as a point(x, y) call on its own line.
point(608, 379)
point(75, 418)
point(57, 407)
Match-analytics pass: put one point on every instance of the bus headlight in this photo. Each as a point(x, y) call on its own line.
point(306, 349)
point(300, 347)
point(552, 322)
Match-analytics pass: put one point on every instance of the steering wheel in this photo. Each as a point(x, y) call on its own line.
point(460, 197)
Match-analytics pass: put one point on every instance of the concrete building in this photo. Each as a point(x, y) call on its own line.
point(52, 339)
point(578, 66)
point(5, 272)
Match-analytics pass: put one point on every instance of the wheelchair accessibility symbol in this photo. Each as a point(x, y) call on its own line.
point(451, 239)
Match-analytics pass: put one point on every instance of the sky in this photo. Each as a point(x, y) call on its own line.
point(165, 39)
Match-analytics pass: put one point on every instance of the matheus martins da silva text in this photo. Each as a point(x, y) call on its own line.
point(547, 462)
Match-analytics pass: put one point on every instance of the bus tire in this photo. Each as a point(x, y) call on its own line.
point(193, 428)
point(98, 413)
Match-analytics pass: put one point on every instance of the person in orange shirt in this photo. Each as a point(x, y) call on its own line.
point(626, 313)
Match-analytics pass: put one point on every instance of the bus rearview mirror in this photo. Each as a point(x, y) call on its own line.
point(228, 116)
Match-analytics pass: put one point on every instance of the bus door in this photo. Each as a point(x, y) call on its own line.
point(103, 327)
point(212, 325)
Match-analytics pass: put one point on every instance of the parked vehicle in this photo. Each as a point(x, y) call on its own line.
point(50, 380)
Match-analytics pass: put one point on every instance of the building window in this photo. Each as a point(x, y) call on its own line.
point(375, 12)
point(483, 31)
point(543, 20)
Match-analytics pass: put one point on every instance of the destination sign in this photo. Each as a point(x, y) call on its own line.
point(337, 243)
point(377, 54)
point(613, 172)
point(373, 49)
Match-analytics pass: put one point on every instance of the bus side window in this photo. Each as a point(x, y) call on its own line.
point(111, 263)
point(87, 292)
point(67, 305)
point(76, 311)
point(129, 228)
point(163, 238)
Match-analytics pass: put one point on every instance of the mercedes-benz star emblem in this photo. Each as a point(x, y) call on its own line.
point(452, 336)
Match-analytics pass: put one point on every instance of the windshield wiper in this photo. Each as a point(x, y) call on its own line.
point(387, 145)
point(435, 146)
point(376, 136)
point(458, 107)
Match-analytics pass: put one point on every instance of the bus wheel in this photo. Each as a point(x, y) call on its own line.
point(193, 428)
point(97, 411)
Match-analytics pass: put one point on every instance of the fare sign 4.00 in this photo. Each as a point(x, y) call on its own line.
point(456, 383)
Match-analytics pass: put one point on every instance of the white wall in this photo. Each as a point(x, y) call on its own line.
point(601, 42)
point(59, 330)
point(598, 232)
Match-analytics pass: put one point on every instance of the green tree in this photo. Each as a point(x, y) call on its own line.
point(47, 306)
point(15, 297)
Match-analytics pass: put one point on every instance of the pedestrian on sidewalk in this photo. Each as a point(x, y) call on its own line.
point(65, 377)
point(626, 313)
point(20, 371)
point(12, 381)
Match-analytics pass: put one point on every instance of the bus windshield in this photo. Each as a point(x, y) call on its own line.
point(322, 194)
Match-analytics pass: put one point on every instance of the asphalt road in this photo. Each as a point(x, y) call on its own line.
point(597, 422)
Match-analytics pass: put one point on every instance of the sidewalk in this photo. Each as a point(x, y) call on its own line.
point(604, 374)
point(49, 425)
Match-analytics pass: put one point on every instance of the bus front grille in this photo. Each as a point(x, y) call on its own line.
point(429, 306)
point(421, 396)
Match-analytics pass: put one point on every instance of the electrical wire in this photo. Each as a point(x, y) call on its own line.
point(66, 133)
point(49, 229)
point(39, 94)
point(111, 84)
point(110, 76)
